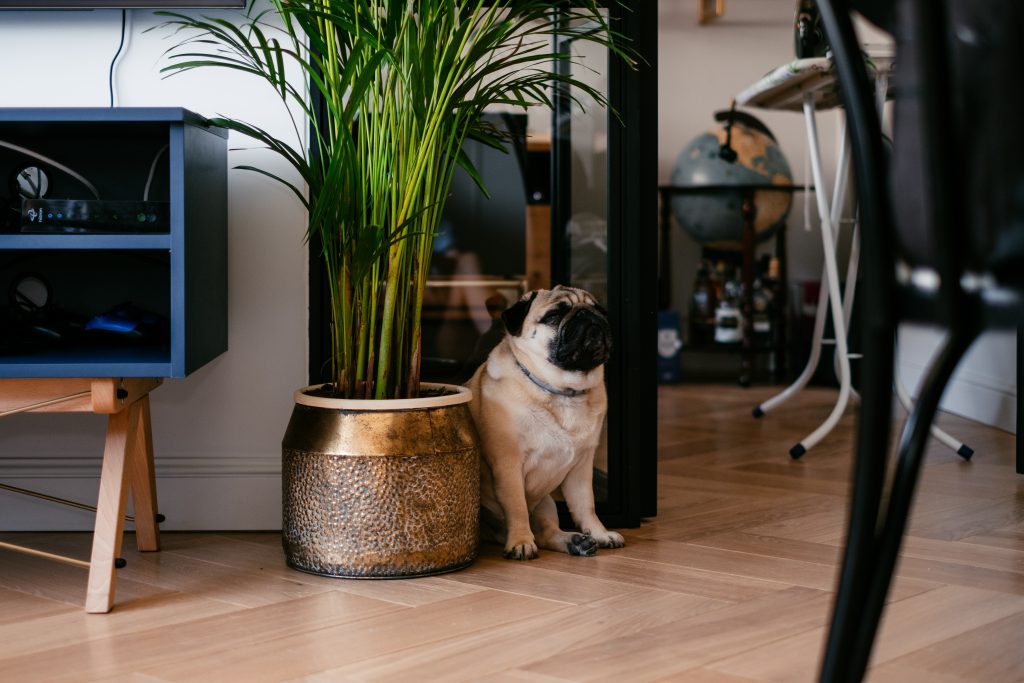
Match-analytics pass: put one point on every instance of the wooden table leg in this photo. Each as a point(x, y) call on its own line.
point(143, 482)
point(127, 464)
point(122, 435)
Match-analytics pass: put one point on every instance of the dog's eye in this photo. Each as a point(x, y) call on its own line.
point(555, 315)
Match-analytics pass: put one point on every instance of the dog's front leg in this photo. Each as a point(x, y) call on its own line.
point(578, 491)
point(511, 493)
point(544, 520)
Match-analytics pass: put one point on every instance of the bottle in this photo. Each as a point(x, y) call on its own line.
point(762, 304)
point(774, 282)
point(775, 288)
point(728, 317)
point(761, 318)
point(718, 280)
point(702, 306)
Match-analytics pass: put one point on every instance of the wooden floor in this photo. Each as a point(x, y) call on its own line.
point(731, 582)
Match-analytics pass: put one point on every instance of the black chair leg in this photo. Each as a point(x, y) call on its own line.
point(908, 468)
point(870, 555)
point(873, 427)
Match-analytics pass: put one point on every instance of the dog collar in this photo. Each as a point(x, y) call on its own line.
point(544, 385)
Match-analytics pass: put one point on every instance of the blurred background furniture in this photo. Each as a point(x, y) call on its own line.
point(731, 190)
point(745, 249)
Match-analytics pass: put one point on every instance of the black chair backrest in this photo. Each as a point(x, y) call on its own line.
point(958, 174)
point(952, 197)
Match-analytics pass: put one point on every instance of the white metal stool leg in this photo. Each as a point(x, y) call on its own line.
point(830, 299)
point(838, 199)
point(832, 280)
point(812, 360)
point(851, 288)
point(959, 447)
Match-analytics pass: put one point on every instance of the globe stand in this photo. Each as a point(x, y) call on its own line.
point(747, 245)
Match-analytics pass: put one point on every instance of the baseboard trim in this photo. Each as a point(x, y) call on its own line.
point(194, 493)
point(972, 395)
point(46, 465)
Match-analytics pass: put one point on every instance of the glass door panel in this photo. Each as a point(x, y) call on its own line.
point(479, 266)
point(580, 203)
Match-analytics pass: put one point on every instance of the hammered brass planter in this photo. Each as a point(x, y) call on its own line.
point(381, 489)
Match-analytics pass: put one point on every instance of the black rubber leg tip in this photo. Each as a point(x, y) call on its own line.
point(965, 451)
point(160, 519)
point(120, 563)
point(796, 451)
point(757, 412)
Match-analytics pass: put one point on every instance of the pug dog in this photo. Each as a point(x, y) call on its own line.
point(539, 403)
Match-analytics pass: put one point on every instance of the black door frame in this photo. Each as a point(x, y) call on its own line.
point(632, 256)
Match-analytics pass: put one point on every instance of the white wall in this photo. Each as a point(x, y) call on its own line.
point(217, 433)
point(701, 68)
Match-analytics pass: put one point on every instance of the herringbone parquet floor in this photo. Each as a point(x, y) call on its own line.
point(732, 582)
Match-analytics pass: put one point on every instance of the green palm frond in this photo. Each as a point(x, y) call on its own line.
point(401, 85)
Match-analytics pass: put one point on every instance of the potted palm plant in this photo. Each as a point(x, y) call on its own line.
point(390, 90)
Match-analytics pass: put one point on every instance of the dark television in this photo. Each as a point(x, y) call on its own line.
point(120, 4)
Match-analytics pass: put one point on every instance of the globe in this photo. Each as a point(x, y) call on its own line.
point(715, 219)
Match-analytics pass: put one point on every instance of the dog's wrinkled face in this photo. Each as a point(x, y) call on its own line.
point(568, 322)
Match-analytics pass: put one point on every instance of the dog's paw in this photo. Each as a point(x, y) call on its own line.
point(610, 539)
point(582, 545)
point(521, 551)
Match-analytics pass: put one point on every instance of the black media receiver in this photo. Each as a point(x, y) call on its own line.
point(94, 216)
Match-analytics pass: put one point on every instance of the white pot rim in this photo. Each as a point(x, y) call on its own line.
point(458, 396)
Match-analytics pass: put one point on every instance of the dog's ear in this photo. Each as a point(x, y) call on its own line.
point(514, 315)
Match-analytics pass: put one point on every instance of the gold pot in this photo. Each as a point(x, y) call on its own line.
point(381, 489)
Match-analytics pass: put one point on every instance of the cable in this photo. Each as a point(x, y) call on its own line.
point(152, 170)
point(55, 164)
point(117, 55)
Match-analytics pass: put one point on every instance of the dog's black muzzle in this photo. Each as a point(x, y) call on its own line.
point(583, 342)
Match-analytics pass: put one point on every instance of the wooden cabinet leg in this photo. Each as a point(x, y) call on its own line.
point(122, 430)
point(143, 482)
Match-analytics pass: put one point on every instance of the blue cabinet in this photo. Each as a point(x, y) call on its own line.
point(120, 216)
